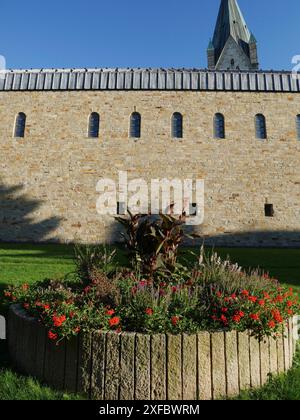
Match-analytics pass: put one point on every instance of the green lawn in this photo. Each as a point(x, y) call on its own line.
point(29, 263)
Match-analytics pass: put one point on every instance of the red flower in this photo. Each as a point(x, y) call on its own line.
point(58, 320)
point(7, 294)
point(175, 320)
point(26, 306)
point(261, 302)
point(272, 324)
point(25, 286)
point(277, 316)
point(289, 304)
point(236, 318)
point(113, 322)
point(290, 312)
point(224, 310)
point(72, 314)
point(76, 330)
point(162, 284)
point(245, 293)
point(149, 311)
point(110, 312)
point(174, 289)
point(46, 307)
point(266, 295)
point(252, 299)
point(219, 294)
point(52, 335)
point(255, 317)
point(241, 314)
point(214, 318)
point(224, 319)
point(233, 296)
point(87, 289)
point(134, 290)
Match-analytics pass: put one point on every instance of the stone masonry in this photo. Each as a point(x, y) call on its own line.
point(48, 179)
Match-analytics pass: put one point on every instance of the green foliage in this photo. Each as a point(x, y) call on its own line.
point(21, 388)
point(89, 258)
point(279, 388)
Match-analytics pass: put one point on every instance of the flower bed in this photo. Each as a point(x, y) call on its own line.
point(160, 299)
point(137, 366)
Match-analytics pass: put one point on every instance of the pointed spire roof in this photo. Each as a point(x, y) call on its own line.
point(230, 22)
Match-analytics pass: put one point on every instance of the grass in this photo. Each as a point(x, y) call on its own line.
point(30, 263)
point(282, 388)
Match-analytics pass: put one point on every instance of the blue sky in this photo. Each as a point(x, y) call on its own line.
point(132, 33)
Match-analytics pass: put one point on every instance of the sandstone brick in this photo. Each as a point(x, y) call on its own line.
point(174, 367)
point(232, 367)
point(158, 367)
point(142, 383)
point(218, 365)
point(255, 363)
point(204, 366)
point(189, 367)
point(244, 360)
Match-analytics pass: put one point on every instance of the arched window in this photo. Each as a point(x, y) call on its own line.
point(20, 125)
point(260, 127)
point(298, 126)
point(219, 126)
point(135, 125)
point(94, 124)
point(177, 126)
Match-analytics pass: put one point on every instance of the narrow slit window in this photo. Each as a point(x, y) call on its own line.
point(94, 125)
point(177, 126)
point(269, 210)
point(298, 126)
point(121, 208)
point(135, 125)
point(260, 127)
point(219, 126)
point(20, 125)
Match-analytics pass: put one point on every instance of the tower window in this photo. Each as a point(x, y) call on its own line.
point(20, 125)
point(298, 126)
point(177, 126)
point(260, 127)
point(135, 125)
point(269, 210)
point(94, 124)
point(219, 126)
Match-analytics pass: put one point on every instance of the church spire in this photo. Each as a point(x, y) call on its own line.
point(233, 46)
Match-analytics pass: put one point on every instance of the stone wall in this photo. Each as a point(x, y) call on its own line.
point(130, 366)
point(48, 179)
